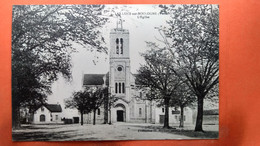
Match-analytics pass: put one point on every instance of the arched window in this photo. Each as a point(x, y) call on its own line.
point(98, 111)
point(123, 87)
point(42, 118)
point(117, 46)
point(140, 112)
point(119, 87)
point(117, 50)
point(121, 45)
point(116, 87)
point(56, 117)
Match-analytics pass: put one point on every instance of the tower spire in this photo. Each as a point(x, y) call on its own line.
point(119, 24)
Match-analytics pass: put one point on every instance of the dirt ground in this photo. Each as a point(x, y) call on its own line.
point(116, 131)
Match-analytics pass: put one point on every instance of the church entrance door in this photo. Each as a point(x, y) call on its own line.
point(120, 115)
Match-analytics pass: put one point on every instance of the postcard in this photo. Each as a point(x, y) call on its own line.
point(115, 72)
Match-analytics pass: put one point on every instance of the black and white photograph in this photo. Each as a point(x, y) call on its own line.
point(115, 72)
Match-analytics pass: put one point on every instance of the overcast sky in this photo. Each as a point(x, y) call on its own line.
point(141, 29)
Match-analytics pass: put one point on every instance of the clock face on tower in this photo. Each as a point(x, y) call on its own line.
point(119, 68)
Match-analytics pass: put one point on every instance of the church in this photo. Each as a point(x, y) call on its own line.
point(131, 105)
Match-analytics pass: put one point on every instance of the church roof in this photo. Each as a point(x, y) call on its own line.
point(95, 79)
point(107, 78)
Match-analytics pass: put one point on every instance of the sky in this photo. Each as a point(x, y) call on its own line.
point(140, 20)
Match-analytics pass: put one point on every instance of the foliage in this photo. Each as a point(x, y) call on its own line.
point(42, 41)
point(193, 37)
point(88, 100)
point(159, 77)
point(80, 100)
point(184, 97)
point(108, 102)
point(96, 97)
point(194, 32)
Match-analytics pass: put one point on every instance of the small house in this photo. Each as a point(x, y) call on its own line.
point(47, 113)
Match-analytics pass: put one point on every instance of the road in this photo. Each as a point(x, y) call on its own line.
point(117, 131)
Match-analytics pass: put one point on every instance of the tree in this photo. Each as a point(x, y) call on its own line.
point(88, 100)
point(193, 36)
point(42, 41)
point(106, 105)
point(96, 98)
point(183, 98)
point(109, 100)
point(79, 100)
point(158, 77)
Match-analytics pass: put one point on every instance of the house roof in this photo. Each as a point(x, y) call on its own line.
point(211, 112)
point(95, 79)
point(53, 107)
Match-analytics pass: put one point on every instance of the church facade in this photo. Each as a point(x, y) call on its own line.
point(131, 105)
point(122, 83)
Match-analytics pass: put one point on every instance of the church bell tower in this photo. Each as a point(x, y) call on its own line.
point(119, 63)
